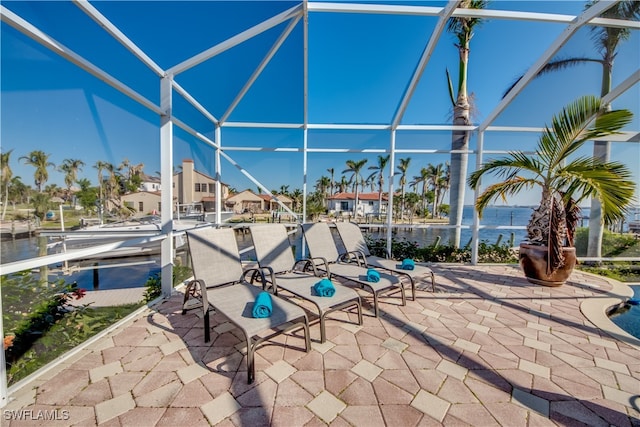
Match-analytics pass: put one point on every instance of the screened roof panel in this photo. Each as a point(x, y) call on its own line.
point(360, 61)
point(360, 65)
point(182, 29)
point(551, 91)
point(216, 82)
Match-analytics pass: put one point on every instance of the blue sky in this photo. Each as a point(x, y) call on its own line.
point(359, 67)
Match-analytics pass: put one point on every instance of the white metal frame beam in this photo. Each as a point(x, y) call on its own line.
point(235, 40)
point(424, 60)
point(388, 9)
point(276, 46)
point(40, 37)
point(621, 88)
point(118, 35)
point(594, 11)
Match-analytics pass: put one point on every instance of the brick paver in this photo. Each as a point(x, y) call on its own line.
point(488, 348)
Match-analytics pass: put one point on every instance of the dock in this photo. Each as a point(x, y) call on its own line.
point(18, 229)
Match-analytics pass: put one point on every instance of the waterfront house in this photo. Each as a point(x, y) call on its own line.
point(143, 202)
point(244, 202)
point(247, 201)
point(269, 202)
point(191, 186)
point(368, 203)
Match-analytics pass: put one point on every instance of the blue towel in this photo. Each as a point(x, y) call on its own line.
point(324, 288)
point(373, 276)
point(408, 264)
point(262, 305)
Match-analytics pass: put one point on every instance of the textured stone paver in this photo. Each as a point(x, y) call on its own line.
point(488, 348)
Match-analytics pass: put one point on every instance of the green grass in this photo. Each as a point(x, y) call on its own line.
point(71, 330)
point(613, 245)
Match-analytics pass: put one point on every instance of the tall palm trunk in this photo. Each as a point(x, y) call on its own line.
point(602, 152)
point(459, 141)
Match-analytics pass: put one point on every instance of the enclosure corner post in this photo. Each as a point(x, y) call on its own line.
point(166, 183)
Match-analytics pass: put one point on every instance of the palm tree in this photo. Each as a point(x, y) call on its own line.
point(70, 168)
point(606, 40)
point(5, 178)
point(562, 177)
point(39, 160)
point(321, 187)
point(101, 167)
point(423, 179)
point(379, 168)
point(333, 183)
point(17, 191)
point(370, 181)
point(284, 190)
point(435, 178)
point(296, 198)
point(343, 184)
point(445, 183)
point(462, 28)
point(402, 170)
point(354, 167)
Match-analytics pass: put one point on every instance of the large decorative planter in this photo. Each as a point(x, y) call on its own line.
point(533, 260)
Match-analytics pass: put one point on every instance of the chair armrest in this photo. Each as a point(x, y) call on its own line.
point(254, 272)
point(270, 277)
point(359, 256)
point(203, 292)
point(322, 261)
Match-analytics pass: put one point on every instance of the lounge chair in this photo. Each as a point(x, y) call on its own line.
point(322, 246)
point(274, 254)
point(354, 243)
point(220, 282)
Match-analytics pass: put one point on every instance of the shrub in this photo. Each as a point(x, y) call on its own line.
point(400, 249)
point(40, 318)
point(154, 282)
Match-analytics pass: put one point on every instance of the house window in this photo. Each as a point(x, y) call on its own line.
point(159, 204)
point(344, 206)
point(140, 207)
point(370, 203)
point(197, 187)
point(212, 188)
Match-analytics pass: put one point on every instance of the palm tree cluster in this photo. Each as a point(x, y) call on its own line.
point(119, 180)
point(433, 183)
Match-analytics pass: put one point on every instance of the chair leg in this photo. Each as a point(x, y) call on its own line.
point(307, 335)
point(433, 282)
point(187, 291)
point(251, 373)
point(323, 333)
point(207, 332)
point(404, 296)
point(375, 303)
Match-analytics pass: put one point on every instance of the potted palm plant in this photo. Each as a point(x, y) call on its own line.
point(548, 257)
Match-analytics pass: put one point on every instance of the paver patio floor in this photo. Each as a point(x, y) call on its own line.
point(487, 349)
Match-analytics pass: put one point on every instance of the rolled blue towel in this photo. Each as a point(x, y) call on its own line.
point(324, 288)
point(633, 301)
point(408, 264)
point(262, 305)
point(373, 276)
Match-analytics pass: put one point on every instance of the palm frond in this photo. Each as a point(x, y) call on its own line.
point(450, 87)
point(503, 189)
point(555, 65)
point(506, 167)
